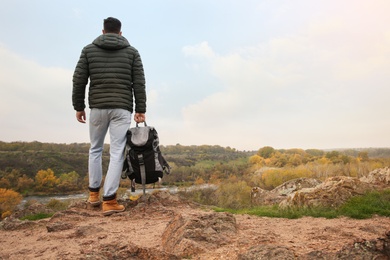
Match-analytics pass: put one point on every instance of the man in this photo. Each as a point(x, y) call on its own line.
point(116, 76)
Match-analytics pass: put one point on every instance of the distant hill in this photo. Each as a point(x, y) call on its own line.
point(30, 157)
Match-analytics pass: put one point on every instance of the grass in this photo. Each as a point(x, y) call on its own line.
point(37, 216)
point(359, 207)
point(372, 203)
point(53, 204)
point(275, 212)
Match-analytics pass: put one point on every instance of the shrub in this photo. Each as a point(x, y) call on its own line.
point(57, 205)
point(233, 194)
point(9, 200)
point(277, 176)
point(205, 196)
point(6, 214)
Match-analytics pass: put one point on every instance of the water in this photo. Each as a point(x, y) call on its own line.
point(173, 189)
point(46, 198)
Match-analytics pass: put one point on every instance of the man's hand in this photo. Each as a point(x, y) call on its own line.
point(139, 117)
point(80, 115)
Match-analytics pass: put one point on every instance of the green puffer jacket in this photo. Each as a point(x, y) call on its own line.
point(116, 75)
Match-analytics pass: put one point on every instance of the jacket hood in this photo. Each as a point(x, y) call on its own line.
point(111, 41)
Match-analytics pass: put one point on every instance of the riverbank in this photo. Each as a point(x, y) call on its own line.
point(45, 198)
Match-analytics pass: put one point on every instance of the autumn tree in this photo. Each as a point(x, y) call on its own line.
point(256, 160)
point(24, 183)
point(68, 181)
point(266, 152)
point(45, 180)
point(9, 179)
point(199, 181)
point(363, 156)
point(4, 183)
point(9, 199)
point(233, 193)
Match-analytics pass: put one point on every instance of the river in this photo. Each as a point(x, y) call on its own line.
point(173, 189)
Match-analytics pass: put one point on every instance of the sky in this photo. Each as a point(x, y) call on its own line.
point(241, 74)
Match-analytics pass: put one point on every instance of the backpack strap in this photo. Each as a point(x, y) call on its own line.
point(133, 185)
point(142, 169)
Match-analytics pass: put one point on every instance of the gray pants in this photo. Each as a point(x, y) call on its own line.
point(117, 121)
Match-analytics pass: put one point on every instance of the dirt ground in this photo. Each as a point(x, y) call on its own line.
point(82, 233)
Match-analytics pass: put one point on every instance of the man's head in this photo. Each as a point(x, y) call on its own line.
point(112, 25)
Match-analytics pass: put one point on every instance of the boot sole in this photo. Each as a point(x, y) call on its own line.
point(110, 212)
point(95, 204)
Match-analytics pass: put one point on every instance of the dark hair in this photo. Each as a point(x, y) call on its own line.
point(112, 25)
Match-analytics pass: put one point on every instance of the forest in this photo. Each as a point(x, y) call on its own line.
point(34, 168)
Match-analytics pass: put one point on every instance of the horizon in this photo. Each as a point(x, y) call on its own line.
point(225, 147)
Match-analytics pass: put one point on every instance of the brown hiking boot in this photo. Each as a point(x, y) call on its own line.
point(112, 206)
point(94, 199)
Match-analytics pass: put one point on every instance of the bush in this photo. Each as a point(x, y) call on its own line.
point(205, 196)
point(6, 214)
point(57, 205)
point(9, 200)
point(277, 176)
point(233, 194)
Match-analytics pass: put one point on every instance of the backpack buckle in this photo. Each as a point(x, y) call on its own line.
point(140, 159)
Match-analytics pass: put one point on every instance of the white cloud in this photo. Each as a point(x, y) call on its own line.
point(319, 87)
point(201, 50)
point(35, 102)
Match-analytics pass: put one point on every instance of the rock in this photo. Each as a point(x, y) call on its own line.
point(258, 195)
point(291, 186)
point(58, 226)
point(85, 231)
point(32, 209)
point(267, 252)
point(190, 235)
point(123, 250)
point(16, 224)
point(318, 255)
point(161, 197)
point(331, 193)
point(367, 249)
point(275, 196)
point(378, 177)
point(166, 198)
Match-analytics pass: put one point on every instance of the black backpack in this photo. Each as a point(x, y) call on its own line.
point(144, 163)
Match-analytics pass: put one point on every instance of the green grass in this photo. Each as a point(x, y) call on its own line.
point(359, 207)
point(275, 212)
point(53, 204)
point(372, 203)
point(37, 216)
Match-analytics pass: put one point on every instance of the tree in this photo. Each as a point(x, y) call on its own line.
point(4, 183)
point(315, 152)
point(45, 180)
point(68, 181)
point(256, 160)
point(233, 193)
point(199, 181)
point(266, 152)
point(9, 199)
point(10, 178)
point(24, 183)
point(363, 156)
